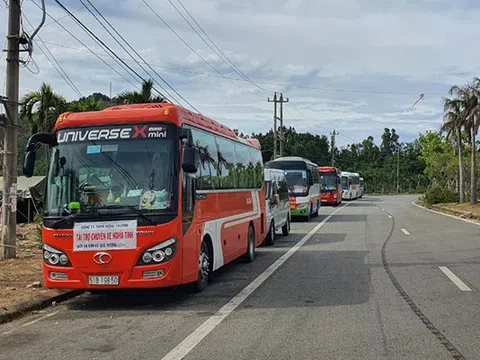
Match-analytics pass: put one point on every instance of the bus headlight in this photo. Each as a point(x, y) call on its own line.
point(158, 254)
point(52, 256)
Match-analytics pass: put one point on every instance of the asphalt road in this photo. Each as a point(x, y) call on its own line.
point(379, 279)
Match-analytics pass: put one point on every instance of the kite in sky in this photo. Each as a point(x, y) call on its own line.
point(417, 101)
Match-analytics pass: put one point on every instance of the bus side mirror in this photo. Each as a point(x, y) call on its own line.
point(29, 163)
point(190, 159)
point(186, 134)
point(33, 145)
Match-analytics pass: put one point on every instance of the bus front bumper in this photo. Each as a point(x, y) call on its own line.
point(111, 278)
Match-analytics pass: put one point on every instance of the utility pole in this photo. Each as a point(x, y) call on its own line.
point(274, 124)
point(334, 133)
point(9, 215)
point(398, 169)
point(282, 139)
point(275, 101)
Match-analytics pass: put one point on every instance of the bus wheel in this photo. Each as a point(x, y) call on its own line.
point(250, 254)
point(204, 268)
point(286, 227)
point(270, 240)
point(315, 214)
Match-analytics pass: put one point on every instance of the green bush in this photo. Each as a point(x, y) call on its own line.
point(38, 219)
point(438, 195)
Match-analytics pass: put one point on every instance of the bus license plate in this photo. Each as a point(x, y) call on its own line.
point(103, 280)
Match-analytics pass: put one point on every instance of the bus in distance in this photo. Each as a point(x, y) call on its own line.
point(350, 185)
point(304, 184)
point(146, 196)
point(330, 185)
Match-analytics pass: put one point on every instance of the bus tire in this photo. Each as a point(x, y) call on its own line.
point(250, 254)
point(270, 240)
point(286, 227)
point(204, 268)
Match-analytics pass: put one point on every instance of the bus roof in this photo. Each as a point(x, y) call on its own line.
point(293, 158)
point(151, 112)
point(328, 169)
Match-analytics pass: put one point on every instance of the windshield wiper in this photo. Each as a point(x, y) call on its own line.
point(79, 215)
point(111, 211)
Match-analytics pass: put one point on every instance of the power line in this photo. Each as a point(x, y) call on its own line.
point(88, 31)
point(62, 17)
point(221, 55)
point(58, 67)
point(129, 54)
point(98, 56)
point(128, 44)
point(354, 91)
point(193, 50)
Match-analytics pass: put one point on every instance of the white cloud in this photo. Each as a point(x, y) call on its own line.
point(350, 65)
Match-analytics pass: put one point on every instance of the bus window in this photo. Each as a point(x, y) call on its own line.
point(207, 178)
point(257, 164)
point(226, 163)
point(244, 175)
point(298, 182)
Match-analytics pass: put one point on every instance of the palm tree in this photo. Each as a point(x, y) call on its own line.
point(474, 123)
point(470, 119)
point(452, 125)
point(144, 96)
point(41, 108)
point(89, 104)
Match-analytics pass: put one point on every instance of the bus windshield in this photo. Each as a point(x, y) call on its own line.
point(135, 174)
point(344, 183)
point(297, 181)
point(328, 181)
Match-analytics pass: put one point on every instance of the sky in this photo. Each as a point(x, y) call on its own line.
point(355, 66)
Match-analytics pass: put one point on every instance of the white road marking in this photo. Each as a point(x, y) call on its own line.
point(405, 231)
point(33, 322)
point(390, 216)
point(192, 340)
point(460, 284)
point(441, 213)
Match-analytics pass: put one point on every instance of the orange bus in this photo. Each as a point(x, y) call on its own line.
point(331, 185)
point(145, 196)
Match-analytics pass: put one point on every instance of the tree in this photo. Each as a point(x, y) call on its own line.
point(144, 96)
point(87, 104)
point(40, 109)
point(468, 95)
point(439, 158)
point(452, 125)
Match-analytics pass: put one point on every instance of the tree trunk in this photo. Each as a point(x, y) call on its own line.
point(473, 185)
point(461, 189)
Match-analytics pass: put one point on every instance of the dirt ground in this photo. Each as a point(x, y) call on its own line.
point(465, 211)
point(21, 281)
point(467, 208)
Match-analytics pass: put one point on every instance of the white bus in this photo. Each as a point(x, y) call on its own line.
point(350, 185)
point(303, 182)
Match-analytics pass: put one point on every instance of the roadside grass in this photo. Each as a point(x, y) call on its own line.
point(463, 211)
